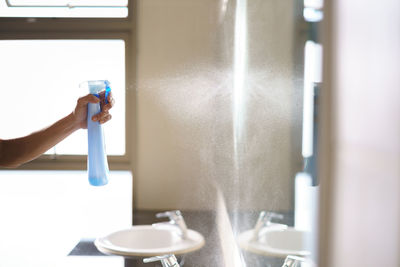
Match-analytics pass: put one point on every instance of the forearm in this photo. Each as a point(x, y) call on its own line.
point(15, 152)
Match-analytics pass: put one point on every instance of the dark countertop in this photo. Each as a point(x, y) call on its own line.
point(209, 255)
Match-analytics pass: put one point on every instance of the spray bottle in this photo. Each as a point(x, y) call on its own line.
point(97, 159)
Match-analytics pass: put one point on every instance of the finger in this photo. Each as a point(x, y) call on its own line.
point(105, 118)
point(92, 98)
point(99, 116)
point(95, 118)
point(108, 106)
point(110, 103)
point(89, 98)
point(109, 97)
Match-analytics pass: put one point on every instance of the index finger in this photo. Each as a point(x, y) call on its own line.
point(111, 102)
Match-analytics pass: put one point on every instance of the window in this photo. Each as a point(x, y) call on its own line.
point(45, 59)
point(42, 78)
point(64, 8)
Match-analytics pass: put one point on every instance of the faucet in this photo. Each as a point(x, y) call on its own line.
point(175, 219)
point(295, 261)
point(166, 260)
point(264, 219)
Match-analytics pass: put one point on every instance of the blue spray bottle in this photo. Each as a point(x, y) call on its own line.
point(97, 159)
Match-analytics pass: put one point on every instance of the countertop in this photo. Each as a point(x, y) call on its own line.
point(212, 254)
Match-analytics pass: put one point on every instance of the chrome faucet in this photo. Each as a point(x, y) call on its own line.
point(294, 261)
point(264, 219)
point(175, 219)
point(166, 260)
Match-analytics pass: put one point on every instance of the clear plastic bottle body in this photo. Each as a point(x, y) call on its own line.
point(97, 164)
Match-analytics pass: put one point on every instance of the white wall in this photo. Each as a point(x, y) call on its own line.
point(176, 42)
point(185, 149)
point(361, 208)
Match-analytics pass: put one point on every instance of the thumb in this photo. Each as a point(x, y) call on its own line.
point(89, 98)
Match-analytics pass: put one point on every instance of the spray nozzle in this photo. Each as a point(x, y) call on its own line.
point(100, 89)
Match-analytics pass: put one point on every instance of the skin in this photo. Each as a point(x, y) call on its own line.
point(14, 152)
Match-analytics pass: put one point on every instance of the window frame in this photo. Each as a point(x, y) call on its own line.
point(31, 19)
point(83, 29)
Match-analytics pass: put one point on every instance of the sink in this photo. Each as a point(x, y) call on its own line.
point(276, 242)
point(146, 240)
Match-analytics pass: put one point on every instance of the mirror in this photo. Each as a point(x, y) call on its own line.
point(224, 104)
point(221, 122)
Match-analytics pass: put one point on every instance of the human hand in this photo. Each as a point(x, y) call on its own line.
point(80, 112)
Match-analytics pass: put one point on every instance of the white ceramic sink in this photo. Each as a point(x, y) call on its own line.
point(276, 242)
point(145, 240)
